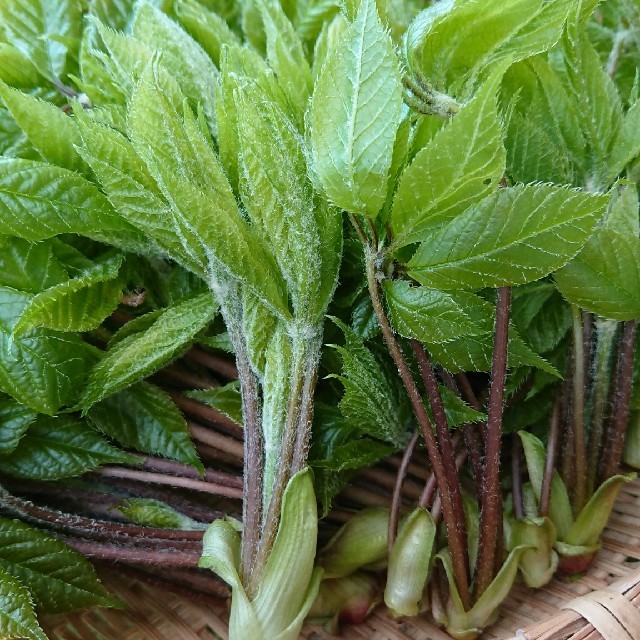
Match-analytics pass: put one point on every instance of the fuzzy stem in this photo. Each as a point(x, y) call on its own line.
point(394, 511)
point(458, 550)
point(173, 481)
point(491, 514)
point(295, 435)
point(549, 463)
point(620, 416)
point(579, 440)
point(444, 442)
point(134, 555)
point(605, 331)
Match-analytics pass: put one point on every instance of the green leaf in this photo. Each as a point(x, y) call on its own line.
point(370, 401)
point(544, 141)
point(626, 146)
point(208, 29)
point(286, 57)
point(590, 85)
point(15, 419)
point(140, 354)
point(60, 447)
point(59, 578)
point(115, 13)
point(29, 266)
point(355, 454)
point(622, 216)
point(474, 353)
point(456, 410)
point(41, 31)
point(16, 69)
point(225, 399)
point(143, 417)
point(154, 513)
point(305, 236)
point(452, 43)
point(428, 315)
point(44, 369)
point(463, 162)
point(605, 276)
point(38, 201)
point(191, 177)
point(79, 304)
point(517, 235)
point(133, 192)
point(17, 617)
point(182, 56)
point(52, 132)
point(355, 113)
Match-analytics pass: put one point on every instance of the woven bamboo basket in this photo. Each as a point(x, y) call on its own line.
point(602, 604)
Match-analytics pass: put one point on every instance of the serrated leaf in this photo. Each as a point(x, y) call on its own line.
point(626, 146)
point(154, 513)
point(355, 454)
point(590, 85)
point(545, 141)
point(41, 30)
point(59, 578)
point(144, 418)
point(474, 353)
point(370, 401)
point(428, 315)
point(15, 419)
point(16, 69)
point(456, 410)
point(463, 162)
point(17, 616)
point(517, 235)
point(29, 266)
point(114, 13)
point(605, 276)
point(52, 132)
point(225, 399)
point(454, 42)
point(192, 179)
point(286, 57)
point(305, 236)
point(38, 201)
point(354, 115)
point(623, 214)
point(79, 304)
point(540, 315)
point(60, 447)
point(44, 369)
point(133, 192)
point(209, 29)
point(140, 354)
point(183, 57)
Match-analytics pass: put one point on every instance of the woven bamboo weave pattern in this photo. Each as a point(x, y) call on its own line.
point(154, 614)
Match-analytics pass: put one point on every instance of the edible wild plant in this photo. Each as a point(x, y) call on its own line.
point(484, 159)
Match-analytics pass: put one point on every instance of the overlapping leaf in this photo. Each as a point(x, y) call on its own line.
point(138, 354)
point(144, 418)
point(17, 616)
point(355, 112)
point(60, 447)
point(59, 578)
point(517, 235)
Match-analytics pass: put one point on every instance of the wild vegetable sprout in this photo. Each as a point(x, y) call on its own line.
point(413, 229)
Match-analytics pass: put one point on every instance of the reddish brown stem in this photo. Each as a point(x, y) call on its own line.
point(174, 481)
point(394, 511)
point(579, 436)
point(620, 414)
point(457, 548)
point(212, 438)
point(213, 362)
point(491, 514)
point(160, 465)
point(209, 414)
point(550, 460)
point(133, 555)
point(444, 442)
